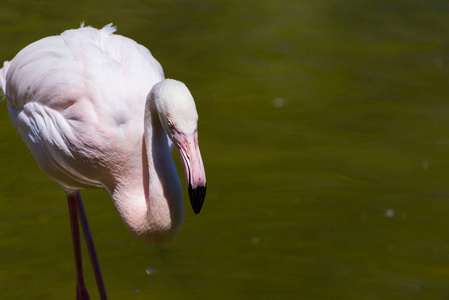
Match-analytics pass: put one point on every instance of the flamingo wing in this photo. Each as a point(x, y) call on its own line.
point(78, 100)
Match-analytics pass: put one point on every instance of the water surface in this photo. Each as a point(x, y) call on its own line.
point(325, 134)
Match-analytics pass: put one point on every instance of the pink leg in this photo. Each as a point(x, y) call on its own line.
point(91, 247)
point(81, 291)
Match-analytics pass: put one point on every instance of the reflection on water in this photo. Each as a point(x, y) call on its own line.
point(324, 131)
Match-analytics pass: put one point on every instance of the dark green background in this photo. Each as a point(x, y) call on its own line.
point(325, 135)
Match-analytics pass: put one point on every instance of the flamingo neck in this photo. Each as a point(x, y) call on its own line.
point(153, 211)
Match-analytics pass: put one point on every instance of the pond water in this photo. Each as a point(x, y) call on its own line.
point(324, 129)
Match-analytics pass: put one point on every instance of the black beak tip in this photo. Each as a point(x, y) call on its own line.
point(197, 196)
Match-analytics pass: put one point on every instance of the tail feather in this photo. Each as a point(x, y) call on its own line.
point(3, 72)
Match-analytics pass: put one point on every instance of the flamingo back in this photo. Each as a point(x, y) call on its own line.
point(78, 100)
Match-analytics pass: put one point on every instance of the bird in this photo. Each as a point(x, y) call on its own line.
point(96, 111)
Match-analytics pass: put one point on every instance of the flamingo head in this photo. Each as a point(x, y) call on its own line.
point(178, 116)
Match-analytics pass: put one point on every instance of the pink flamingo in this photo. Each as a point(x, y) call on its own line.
point(96, 112)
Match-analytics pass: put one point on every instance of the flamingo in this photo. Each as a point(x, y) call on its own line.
point(96, 111)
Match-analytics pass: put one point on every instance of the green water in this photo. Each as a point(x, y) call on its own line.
point(324, 129)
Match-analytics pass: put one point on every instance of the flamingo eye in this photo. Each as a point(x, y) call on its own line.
point(170, 124)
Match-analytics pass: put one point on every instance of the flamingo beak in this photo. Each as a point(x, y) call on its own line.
point(191, 160)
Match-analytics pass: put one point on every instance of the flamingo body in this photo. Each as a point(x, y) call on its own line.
point(96, 112)
point(76, 97)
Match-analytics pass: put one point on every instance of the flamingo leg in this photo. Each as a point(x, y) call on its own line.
point(81, 291)
point(90, 247)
